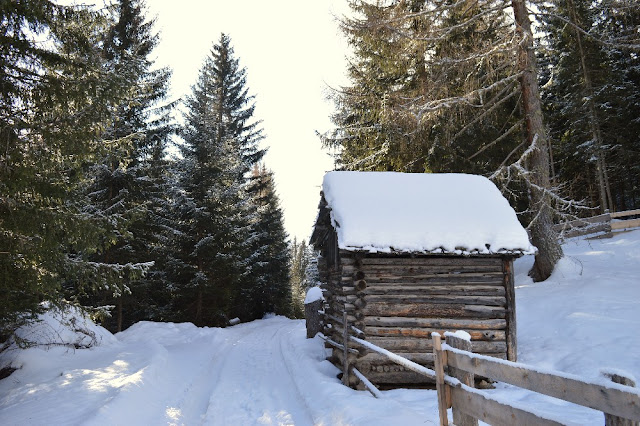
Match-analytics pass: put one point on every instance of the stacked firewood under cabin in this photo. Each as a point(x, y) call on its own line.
point(395, 298)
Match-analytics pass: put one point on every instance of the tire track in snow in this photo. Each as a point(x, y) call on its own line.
point(191, 405)
point(254, 384)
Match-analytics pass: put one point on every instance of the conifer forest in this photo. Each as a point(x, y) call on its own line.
point(110, 202)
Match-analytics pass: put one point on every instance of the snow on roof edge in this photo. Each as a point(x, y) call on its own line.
point(398, 205)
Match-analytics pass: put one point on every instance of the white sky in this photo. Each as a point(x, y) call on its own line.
point(292, 51)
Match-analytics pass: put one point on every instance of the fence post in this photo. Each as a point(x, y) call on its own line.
point(313, 319)
point(465, 377)
point(440, 360)
point(610, 419)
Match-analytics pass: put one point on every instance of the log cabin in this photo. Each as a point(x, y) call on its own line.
point(402, 255)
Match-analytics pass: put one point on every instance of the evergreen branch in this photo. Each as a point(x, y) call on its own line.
point(465, 99)
point(498, 139)
point(632, 46)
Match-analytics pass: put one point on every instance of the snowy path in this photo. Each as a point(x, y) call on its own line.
point(261, 373)
point(257, 381)
point(267, 373)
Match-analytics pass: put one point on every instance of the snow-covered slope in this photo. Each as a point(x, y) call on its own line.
point(583, 319)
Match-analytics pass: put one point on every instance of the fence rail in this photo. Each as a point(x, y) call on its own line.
point(602, 223)
point(455, 369)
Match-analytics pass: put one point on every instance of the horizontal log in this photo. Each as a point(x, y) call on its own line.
point(374, 358)
point(348, 290)
point(437, 299)
point(495, 281)
point(398, 378)
point(623, 224)
point(338, 345)
point(579, 223)
point(578, 232)
point(431, 270)
point(357, 275)
point(486, 335)
point(337, 308)
point(441, 279)
point(477, 290)
point(348, 298)
point(412, 345)
point(428, 310)
point(421, 260)
point(494, 412)
point(625, 213)
point(340, 306)
point(445, 323)
point(609, 399)
point(336, 326)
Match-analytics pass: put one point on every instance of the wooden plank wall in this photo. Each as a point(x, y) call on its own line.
point(399, 301)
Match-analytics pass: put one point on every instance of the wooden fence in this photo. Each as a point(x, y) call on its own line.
point(605, 223)
point(456, 367)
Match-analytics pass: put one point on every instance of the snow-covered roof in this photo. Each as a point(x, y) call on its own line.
point(420, 212)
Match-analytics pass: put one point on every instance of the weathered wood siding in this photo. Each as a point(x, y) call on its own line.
point(399, 301)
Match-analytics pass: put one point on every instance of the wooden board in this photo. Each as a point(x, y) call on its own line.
point(418, 260)
point(426, 290)
point(623, 224)
point(424, 310)
point(375, 359)
point(394, 378)
point(413, 345)
point(494, 412)
point(625, 213)
point(444, 323)
point(487, 335)
point(607, 399)
point(464, 299)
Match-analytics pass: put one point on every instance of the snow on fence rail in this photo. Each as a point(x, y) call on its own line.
point(456, 367)
point(618, 401)
point(601, 223)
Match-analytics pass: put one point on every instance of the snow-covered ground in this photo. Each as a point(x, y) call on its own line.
point(583, 319)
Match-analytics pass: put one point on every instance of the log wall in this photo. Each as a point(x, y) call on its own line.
point(397, 302)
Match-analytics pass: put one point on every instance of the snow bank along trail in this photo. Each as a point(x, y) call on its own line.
point(261, 373)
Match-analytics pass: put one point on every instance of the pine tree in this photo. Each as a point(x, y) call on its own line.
point(591, 101)
point(266, 288)
point(55, 99)
point(128, 178)
point(220, 148)
point(618, 27)
point(579, 72)
point(419, 100)
point(304, 274)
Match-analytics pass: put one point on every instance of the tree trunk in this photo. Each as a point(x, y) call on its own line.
point(120, 313)
point(594, 123)
point(542, 234)
point(199, 308)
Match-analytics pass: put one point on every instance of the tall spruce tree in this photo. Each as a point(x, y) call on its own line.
point(266, 288)
point(591, 93)
point(55, 98)
point(220, 148)
point(618, 26)
point(296, 276)
point(128, 179)
point(574, 99)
